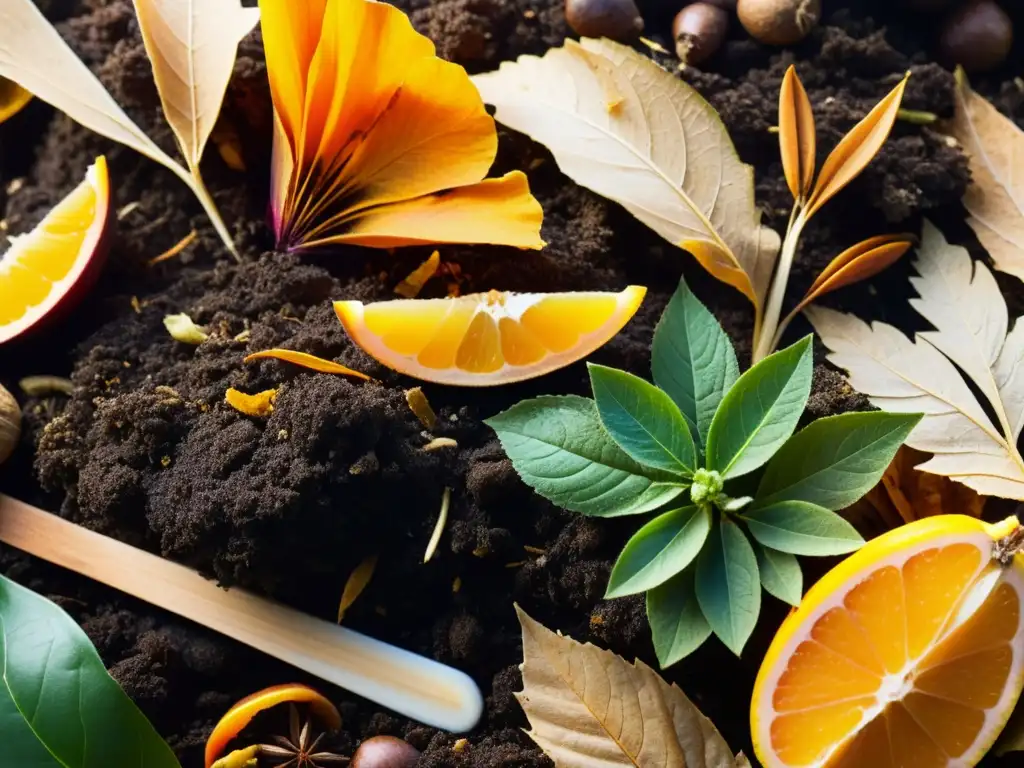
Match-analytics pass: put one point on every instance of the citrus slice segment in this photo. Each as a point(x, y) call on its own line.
point(485, 339)
point(908, 654)
point(54, 264)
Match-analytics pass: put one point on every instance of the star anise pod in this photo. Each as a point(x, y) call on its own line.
point(299, 749)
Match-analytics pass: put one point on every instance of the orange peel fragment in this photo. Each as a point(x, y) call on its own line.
point(306, 361)
point(259, 405)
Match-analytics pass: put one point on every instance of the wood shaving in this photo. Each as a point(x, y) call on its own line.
point(356, 583)
point(442, 521)
point(440, 442)
point(420, 406)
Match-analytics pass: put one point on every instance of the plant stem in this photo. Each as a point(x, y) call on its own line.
point(765, 342)
point(206, 199)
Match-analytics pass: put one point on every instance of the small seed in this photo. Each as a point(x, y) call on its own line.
point(977, 36)
point(385, 752)
point(615, 19)
point(779, 22)
point(699, 31)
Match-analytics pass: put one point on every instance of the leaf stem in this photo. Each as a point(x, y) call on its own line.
point(195, 181)
point(766, 338)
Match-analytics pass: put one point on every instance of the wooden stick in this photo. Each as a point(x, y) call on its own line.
point(412, 685)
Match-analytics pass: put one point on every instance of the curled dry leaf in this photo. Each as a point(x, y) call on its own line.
point(411, 286)
point(13, 98)
point(995, 200)
point(620, 125)
point(589, 707)
point(797, 136)
point(357, 581)
point(962, 301)
point(306, 360)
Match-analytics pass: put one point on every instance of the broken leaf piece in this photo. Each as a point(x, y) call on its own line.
point(487, 339)
point(588, 706)
point(184, 330)
point(242, 713)
point(259, 405)
point(356, 583)
point(661, 151)
point(961, 300)
point(377, 141)
point(420, 406)
point(411, 286)
point(442, 521)
point(995, 198)
point(306, 361)
point(13, 98)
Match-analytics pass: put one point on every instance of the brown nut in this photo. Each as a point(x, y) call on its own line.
point(615, 19)
point(385, 752)
point(10, 424)
point(699, 31)
point(977, 36)
point(725, 5)
point(779, 22)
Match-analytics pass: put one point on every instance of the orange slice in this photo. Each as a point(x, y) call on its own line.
point(485, 339)
point(908, 654)
point(52, 266)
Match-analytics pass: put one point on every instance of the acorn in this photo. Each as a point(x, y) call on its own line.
point(977, 36)
point(615, 19)
point(10, 424)
point(779, 22)
point(699, 31)
point(385, 752)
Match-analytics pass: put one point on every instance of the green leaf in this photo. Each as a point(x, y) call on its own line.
point(659, 551)
point(643, 420)
point(836, 460)
point(780, 574)
point(58, 705)
point(760, 412)
point(728, 587)
point(559, 448)
point(692, 359)
point(678, 627)
point(802, 528)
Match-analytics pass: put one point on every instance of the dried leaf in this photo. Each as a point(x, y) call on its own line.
point(442, 521)
point(33, 55)
point(259, 405)
point(420, 406)
point(13, 98)
point(620, 125)
point(995, 200)
point(378, 142)
point(306, 361)
point(192, 46)
point(796, 135)
point(184, 330)
point(589, 707)
point(411, 286)
point(856, 149)
point(356, 583)
point(962, 301)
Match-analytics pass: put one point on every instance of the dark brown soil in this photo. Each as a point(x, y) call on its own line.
point(145, 449)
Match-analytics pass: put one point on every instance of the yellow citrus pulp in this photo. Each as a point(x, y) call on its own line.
point(908, 654)
point(42, 268)
point(484, 339)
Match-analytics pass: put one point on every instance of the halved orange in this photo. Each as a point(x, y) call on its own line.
point(49, 268)
point(908, 654)
point(485, 339)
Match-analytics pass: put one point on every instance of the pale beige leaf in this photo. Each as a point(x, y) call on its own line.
point(963, 303)
point(995, 199)
point(33, 55)
point(192, 46)
point(620, 125)
point(588, 707)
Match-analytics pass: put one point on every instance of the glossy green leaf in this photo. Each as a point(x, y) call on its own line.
point(659, 551)
point(559, 448)
point(678, 627)
point(692, 359)
point(834, 461)
point(728, 586)
point(643, 420)
point(780, 574)
point(760, 412)
point(58, 706)
point(801, 528)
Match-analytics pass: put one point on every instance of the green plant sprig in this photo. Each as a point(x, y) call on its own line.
point(738, 494)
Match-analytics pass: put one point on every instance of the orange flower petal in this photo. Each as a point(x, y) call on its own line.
point(259, 405)
point(497, 211)
point(306, 361)
point(242, 713)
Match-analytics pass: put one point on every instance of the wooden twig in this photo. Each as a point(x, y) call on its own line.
point(412, 685)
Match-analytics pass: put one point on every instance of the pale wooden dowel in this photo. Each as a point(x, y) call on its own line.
point(412, 685)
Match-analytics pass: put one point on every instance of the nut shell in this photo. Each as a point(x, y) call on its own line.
point(977, 36)
point(779, 22)
point(10, 424)
point(614, 19)
point(385, 752)
point(699, 31)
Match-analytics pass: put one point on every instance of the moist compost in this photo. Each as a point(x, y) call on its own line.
point(145, 450)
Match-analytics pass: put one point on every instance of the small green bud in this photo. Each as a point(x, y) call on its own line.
point(707, 484)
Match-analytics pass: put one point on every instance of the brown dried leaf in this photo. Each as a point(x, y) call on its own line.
point(355, 584)
point(312, 362)
point(856, 149)
point(411, 286)
point(796, 135)
point(589, 707)
point(995, 201)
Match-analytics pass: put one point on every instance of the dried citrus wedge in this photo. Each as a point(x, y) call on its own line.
point(909, 653)
point(485, 339)
point(49, 268)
